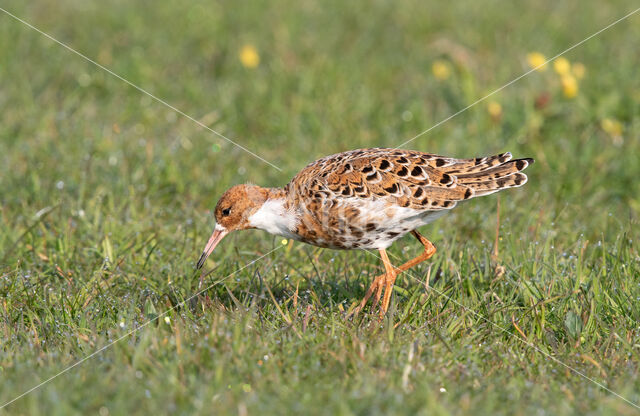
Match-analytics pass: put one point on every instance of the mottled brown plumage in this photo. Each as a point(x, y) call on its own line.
point(365, 198)
point(406, 177)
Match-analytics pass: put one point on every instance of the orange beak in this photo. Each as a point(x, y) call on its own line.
point(218, 233)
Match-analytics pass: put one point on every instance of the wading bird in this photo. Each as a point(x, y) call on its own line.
point(365, 199)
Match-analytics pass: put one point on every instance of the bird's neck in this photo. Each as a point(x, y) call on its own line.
point(276, 193)
point(275, 215)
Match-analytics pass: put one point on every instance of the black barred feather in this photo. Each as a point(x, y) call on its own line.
point(409, 178)
point(497, 172)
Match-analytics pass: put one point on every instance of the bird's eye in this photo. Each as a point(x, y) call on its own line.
point(226, 212)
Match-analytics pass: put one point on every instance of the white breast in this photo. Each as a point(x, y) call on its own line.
point(273, 218)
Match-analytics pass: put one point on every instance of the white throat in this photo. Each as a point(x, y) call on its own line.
point(275, 219)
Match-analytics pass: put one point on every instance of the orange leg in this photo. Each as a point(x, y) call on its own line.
point(376, 286)
point(429, 250)
point(389, 277)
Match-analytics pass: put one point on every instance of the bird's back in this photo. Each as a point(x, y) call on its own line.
point(370, 197)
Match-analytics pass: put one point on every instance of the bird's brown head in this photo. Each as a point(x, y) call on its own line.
point(232, 213)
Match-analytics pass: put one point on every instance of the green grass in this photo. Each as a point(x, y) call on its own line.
point(106, 199)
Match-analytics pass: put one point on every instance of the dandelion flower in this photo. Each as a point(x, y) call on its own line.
point(495, 110)
point(537, 60)
point(562, 66)
point(614, 129)
point(578, 70)
point(569, 86)
point(249, 56)
point(611, 126)
point(441, 70)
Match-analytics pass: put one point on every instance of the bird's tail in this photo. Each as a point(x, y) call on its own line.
point(491, 174)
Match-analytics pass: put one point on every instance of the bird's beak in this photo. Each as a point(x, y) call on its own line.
point(218, 233)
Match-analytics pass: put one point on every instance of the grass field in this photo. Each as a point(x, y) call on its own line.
point(106, 198)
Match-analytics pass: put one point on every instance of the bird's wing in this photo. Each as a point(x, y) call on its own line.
point(408, 178)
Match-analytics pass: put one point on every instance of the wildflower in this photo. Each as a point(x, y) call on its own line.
point(249, 56)
point(562, 66)
point(578, 70)
point(167, 320)
point(284, 241)
point(495, 110)
point(441, 70)
point(569, 86)
point(612, 127)
point(537, 61)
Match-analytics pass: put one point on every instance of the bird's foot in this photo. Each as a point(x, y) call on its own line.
point(376, 286)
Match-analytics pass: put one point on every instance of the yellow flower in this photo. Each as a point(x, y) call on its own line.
point(249, 56)
point(535, 60)
point(569, 86)
point(562, 66)
point(495, 110)
point(441, 70)
point(578, 70)
point(611, 126)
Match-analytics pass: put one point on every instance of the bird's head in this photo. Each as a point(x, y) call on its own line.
point(232, 213)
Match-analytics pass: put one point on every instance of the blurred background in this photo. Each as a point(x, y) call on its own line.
point(106, 194)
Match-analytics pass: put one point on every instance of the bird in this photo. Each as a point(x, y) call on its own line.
point(365, 199)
